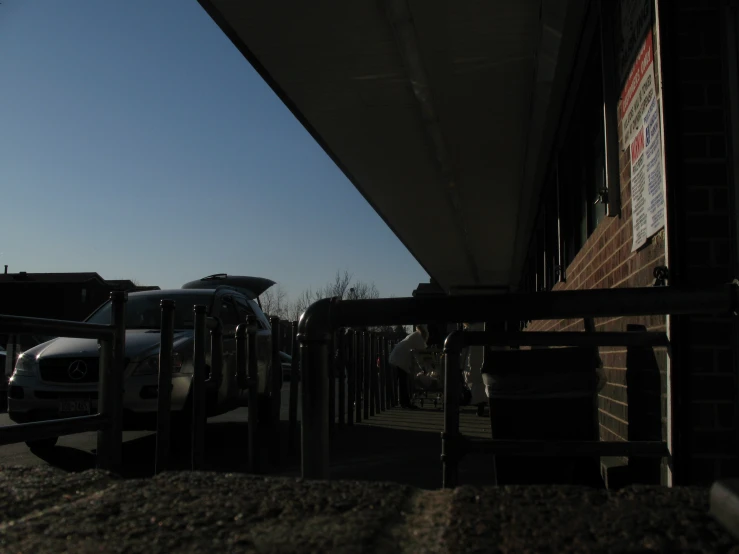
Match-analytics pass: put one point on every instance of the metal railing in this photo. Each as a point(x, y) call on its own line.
point(318, 324)
point(454, 445)
point(108, 421)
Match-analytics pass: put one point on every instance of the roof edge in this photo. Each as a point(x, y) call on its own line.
point(241, 46)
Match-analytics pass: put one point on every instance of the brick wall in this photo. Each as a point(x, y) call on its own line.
point(636, 411)
point(699, 173)
point(633, 405)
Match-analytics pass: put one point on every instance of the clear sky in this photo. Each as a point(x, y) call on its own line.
point(137, 142)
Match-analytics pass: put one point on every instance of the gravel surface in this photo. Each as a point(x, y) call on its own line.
point(47, 510)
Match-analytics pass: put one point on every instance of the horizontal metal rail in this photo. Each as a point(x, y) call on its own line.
point(11, 434)
point(35, 325)
point(566, 338)
point(535, 306)
point(654, 449)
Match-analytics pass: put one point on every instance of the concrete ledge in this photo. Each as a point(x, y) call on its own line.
point(725, 504)
point(46, 510)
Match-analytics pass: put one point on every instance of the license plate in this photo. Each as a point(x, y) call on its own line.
point(74, 406)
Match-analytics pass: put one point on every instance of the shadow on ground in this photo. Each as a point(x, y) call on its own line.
point(407, 452)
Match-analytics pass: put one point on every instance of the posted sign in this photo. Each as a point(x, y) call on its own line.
point(647, 196)
point(638, 93)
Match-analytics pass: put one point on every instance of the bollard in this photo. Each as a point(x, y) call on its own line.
point(349, 342)
point(366, 373)
point(198, 390)
point(110, 387)
point(294, 384)
point(164, 389)
point(332, 385)
point(253, 392)
point(275, 393)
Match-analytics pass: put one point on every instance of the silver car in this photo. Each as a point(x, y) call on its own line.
point(59, 378)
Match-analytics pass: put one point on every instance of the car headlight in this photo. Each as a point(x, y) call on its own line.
point(26, 365)
point(150, 366)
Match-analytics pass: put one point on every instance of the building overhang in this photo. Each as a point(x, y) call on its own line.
point(441, 114)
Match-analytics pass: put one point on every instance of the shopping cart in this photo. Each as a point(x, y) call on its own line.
point(428, 380)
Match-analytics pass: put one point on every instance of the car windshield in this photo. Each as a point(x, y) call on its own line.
point(145, 312)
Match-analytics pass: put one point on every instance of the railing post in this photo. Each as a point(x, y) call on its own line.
point(314, 361)
point(332, 384)
point(252, 384)
point(373, 373)
point(198, 389)
point(216, 353)
point(164, 389)
point(110, 387)
point(275, 393)
point(383, 374)
point(392, 394)
point(294, 384)
point(366, 373)
point(341, 375)
point(450, 435)
point(350, 347)
point(358, 371)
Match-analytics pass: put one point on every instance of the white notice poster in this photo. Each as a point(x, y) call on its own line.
point(647, 196)
point(639, 91)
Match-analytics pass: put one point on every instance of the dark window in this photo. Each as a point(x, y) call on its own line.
point(573, 202)
point(228, 313)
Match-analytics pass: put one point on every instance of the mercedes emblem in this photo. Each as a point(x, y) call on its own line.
point(77, 370)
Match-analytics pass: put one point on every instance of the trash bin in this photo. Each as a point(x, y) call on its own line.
point(545, 394)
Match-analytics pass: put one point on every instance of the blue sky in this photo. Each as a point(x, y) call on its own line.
point(136, 141)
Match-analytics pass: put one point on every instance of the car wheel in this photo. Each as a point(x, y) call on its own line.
point(42, 444)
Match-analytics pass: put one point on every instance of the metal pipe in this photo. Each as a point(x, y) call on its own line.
point(275, 401)
point(164, 389)
point(198, 389)
point(294, 384)
point(393, 377)
point(565, 338)
point(383, 374)
point(315, 335)
point(376, 371)
point(11, 324)
point(366, 374)
point(110, 386)
point(332, 384)
point(350, 342)
point(720, 299)
point(253, 392)
point(341, 374)
point(647, 449)
point(216, 351)
point(358, 374)
point(39, 430)
point(450, 436)
point(241, 357)
point(372, 374)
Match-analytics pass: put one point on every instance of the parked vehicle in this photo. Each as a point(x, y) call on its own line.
point(59, 378)
point(286, 360)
